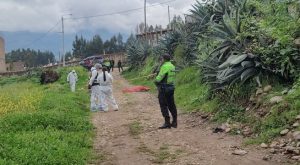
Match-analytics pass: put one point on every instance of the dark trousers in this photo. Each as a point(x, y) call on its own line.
point(120, 67)
point(167, 103)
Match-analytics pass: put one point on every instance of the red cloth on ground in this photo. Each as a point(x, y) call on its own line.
point(136, 89)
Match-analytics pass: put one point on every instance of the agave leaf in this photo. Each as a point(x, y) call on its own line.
point(247, 74)
point(238, 59)
point(228, 25)
point(227, 62)
point(247, 64)
point(233, 60)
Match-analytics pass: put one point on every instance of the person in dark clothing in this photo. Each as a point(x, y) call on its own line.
point(112, 64)
point(165, 85)
point(120, 65)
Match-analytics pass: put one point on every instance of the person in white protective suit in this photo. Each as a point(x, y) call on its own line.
point(72, 79)
point(105, 80)
point(94, 86)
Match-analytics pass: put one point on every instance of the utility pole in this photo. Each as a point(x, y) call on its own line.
point(63, 40)
point(169, 17)
point(145, 15)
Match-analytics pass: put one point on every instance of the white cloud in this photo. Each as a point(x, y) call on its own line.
point(40, 15)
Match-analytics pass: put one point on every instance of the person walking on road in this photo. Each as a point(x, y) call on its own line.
point(105, 80)
point(120, 66)
point(112, 64)
point(165, 85)
point(72, 79)
point(94, 86)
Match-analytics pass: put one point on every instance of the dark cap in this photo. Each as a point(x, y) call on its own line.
point(166, 57)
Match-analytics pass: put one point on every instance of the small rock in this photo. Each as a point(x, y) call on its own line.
point(267, 88)
point(296, 135)
point(297, 152)
point(273, 151)
point(217, 130)
point(267, 157)
point(248, 108)
point(274, 144)
point(239, 152)
point(293, 144)
point(259, 91)
point(276, 99)
point(298, 144)
point(296, 157)
point(282, 145)
point(205, 116)
point(295, 125)
point(247, 131)
point(298, 117)
point(289, 150)
point(284, 132)
point(263, 145)
point(228, 130)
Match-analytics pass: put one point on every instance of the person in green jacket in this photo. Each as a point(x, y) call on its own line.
point(106, 63)
point(165, 85)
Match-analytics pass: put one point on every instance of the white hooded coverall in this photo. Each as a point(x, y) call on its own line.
point(106, 91)
point(96, 103)
point(72, 79)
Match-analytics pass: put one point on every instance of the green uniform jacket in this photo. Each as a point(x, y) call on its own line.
point(167, 69)
point(106, 63)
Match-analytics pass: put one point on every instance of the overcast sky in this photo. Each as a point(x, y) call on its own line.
point(41, 15)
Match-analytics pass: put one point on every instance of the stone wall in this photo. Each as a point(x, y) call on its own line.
point(15, 66)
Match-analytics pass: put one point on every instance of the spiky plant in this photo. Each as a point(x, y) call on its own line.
point(230, 61)
point(137, 52)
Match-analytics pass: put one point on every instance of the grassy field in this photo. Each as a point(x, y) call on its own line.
point(44, 124)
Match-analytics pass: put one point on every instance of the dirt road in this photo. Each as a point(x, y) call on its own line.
point(130, 136)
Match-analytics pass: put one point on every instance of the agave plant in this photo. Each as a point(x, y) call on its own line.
point(237, 68)
point(137, 52)
point(227, 63)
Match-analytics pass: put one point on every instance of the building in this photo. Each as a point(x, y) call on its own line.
point(2, 56)
point(153, 37)
point(116, 57)
point(15, 66)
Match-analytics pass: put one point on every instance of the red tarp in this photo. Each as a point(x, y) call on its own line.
point(136, 89)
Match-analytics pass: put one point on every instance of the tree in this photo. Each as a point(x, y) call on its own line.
point(79, 47)
point(68, 56)
point(120, 43)
point(31, 58)
point(151, 29)
point(95, 46)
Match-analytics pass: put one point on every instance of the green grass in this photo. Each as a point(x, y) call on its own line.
point(191, 94)
point(57, 132)
point(135, 128)
point(162, 155)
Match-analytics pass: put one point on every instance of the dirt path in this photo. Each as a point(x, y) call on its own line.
point(130, 136)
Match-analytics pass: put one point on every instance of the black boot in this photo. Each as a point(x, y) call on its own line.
point(174, 123)
point(167, 124)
